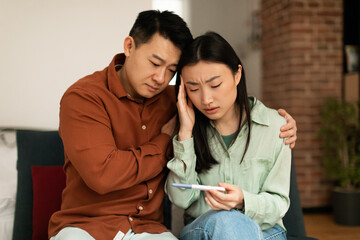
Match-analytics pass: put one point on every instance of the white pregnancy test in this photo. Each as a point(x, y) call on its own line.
point(198, 187)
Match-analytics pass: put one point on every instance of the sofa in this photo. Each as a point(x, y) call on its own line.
point(41, 180)
point(8, 182)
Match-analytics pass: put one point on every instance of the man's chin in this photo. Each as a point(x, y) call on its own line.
point(149, 94)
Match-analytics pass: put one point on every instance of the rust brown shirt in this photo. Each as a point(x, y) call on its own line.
point(114, 157)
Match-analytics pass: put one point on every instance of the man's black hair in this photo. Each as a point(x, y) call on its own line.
point(167, 24)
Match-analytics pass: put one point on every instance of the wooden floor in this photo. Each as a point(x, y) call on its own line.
point(323, 227)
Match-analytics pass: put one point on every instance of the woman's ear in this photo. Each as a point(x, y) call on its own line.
point(238, 75)
point(129, 45)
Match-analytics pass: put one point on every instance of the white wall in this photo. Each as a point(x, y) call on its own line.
point(233, 19)
point(47, 45)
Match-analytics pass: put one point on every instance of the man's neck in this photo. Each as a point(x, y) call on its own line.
point(125, 82)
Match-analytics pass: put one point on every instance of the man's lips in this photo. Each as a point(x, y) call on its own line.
point(151, 88)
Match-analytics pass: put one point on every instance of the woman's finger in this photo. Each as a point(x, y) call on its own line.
point(211, 201)
point(216, 204)
point(181, 98)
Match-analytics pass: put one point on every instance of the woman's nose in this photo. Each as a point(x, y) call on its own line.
point(206, 98)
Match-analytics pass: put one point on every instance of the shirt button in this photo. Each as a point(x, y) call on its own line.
point(143, 127)
point(141, 208)
point(150, 191)
point(131, 219)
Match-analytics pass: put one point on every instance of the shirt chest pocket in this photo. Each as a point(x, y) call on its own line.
point(254, 171)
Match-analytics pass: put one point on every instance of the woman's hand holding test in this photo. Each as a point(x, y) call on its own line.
point(233, 198)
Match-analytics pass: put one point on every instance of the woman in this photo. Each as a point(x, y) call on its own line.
point(230, 140)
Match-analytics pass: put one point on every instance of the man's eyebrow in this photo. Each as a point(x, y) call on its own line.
point(158, 57)
point(161, 59)
point(206, 81)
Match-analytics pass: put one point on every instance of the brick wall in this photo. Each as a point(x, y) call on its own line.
point(302, 65)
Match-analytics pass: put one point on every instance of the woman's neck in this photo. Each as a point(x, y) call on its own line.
point(229, 124)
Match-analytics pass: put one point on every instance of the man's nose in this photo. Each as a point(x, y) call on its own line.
point(159, 76)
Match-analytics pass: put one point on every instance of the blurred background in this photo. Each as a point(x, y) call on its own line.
point(296, 53)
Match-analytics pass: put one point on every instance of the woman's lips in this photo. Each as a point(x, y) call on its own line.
point(211, 110)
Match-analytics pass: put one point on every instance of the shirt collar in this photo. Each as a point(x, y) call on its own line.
point(115, 85)
point(259, 113)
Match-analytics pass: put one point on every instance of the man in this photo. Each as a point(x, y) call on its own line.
point(115, 125)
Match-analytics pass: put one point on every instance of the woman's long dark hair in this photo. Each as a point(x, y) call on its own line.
point(211, 47)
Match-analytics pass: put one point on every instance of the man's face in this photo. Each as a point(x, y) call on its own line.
point(149, 68)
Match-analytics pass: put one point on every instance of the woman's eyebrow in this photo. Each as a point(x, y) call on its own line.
point(206, 81)
point(192, 83)
point(212, 79)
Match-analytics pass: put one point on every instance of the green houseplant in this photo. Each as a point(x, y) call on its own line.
point(340, 134)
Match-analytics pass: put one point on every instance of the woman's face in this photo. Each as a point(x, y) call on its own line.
point(212, 88)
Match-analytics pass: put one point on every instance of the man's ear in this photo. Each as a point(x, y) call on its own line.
point(129, 45)
point(238, 75)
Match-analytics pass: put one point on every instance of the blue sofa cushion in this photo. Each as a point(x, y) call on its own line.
point(35, 148)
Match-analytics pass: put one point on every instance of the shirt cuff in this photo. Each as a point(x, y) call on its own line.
point(182, 149)
point(184, 153)
point(250, 204)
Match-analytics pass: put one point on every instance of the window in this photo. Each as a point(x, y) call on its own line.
point(176, 6)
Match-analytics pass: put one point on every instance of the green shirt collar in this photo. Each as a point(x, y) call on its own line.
point(259, 113)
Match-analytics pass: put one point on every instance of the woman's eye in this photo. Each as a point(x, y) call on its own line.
point(193, 90)
point(216, 85)
point(172, 71)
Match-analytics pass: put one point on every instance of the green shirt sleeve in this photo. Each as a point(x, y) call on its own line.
point(272, 202)
point(182, 170)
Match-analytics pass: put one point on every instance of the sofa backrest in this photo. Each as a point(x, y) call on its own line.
point(35, 148)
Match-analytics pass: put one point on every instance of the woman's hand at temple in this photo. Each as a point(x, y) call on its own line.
point(186, 114)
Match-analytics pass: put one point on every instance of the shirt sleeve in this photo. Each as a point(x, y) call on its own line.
point(184, 157)
point(272, 202)
point(89, 144)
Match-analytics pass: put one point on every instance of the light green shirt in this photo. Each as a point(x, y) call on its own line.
point(263, 176)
